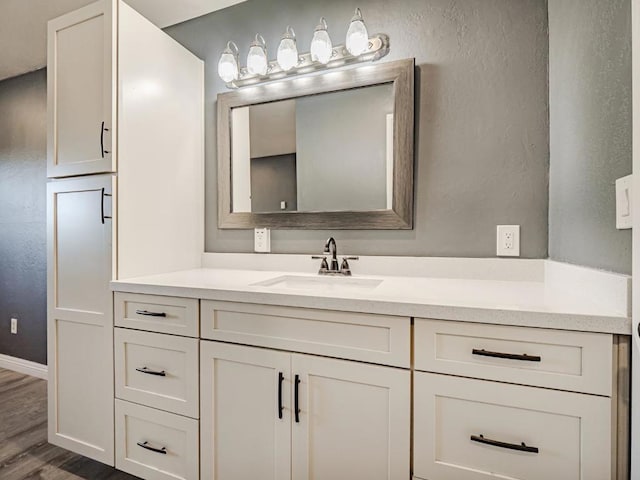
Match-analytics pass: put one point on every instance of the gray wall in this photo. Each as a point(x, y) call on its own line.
point(590, 121)
point(23, 266)
point(342, 149)
point(482, 143)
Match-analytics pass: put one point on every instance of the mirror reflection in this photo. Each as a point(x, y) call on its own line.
point(329, 152)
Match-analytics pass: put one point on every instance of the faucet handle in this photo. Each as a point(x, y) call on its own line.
point(345, 268)
point(324, 266)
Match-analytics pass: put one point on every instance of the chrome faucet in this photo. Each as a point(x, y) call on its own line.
point(333, 268)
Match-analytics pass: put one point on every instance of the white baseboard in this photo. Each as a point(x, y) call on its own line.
point(23, 366)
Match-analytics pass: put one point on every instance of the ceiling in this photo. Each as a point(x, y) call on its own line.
point(23, 25)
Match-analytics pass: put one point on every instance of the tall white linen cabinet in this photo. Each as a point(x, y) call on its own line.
point(125, 196)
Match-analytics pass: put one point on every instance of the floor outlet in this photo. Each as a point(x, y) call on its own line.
point(262, 240)
point(14, 326)
point(508, 241)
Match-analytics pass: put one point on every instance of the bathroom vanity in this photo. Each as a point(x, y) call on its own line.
point(267, 374)
point(246, 366)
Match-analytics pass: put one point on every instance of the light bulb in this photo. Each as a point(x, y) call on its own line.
point(288, 50)
point(357, 35)
point(228, 63)
point(257, 57)
point(321, 47)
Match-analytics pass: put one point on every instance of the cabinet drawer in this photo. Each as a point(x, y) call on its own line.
point(468, 429)
point(154, 313)
point(158, 370)
point(156, 445)
point(370, 338)
point(574, 361)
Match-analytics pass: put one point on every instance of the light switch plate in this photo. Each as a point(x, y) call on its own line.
point(623, 202)
point(508, 241)
point(262, 240)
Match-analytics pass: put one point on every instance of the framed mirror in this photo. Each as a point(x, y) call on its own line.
point(329, 151)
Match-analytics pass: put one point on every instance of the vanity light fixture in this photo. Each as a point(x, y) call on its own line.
point(321, 46)
point(359, 47)
point(357, 35)
point(228, 69)
point(288, 50)
point(257, 63)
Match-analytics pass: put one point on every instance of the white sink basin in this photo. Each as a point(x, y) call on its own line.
point(320, 284)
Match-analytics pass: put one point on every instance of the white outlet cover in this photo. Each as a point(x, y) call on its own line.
point(262, 240)
point(14, 326)
point(508, 241)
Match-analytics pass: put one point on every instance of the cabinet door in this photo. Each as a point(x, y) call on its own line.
point(244, 432)
point(80, 91)
point(354, 420)
point(80, 318)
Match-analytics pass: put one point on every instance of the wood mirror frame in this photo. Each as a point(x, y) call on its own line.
point(401, 74)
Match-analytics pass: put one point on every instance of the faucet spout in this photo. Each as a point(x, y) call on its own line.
point(332, 248)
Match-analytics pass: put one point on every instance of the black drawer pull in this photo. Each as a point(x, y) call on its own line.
point(280, 407)
point(102, 215)
point(151, 372)
point(146, 445)
point(509, 356)
point(150, 314)
point(510, 446)
point(102, 130)
point(296, 398)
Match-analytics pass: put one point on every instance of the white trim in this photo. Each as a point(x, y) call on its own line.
point(23, 366)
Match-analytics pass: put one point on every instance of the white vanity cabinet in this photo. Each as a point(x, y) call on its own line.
point(82, 89)
point(157, 386)
point(125, 158)
point(80, 319)
point(292, 393)
point(301, 414)
point(535, 404)
point(279, 415)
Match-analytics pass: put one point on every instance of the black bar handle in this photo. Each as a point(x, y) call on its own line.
point(102, 130)
point(151, 372)
point(146, 445)
point(280, 407)
point(296, 398)
point(150, 314)
point(509, 356)
point(510, 446)
point(102, 215)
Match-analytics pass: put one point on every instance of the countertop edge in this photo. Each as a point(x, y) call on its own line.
point(574, 322)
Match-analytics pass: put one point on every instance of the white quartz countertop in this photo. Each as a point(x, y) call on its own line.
point(495, 301)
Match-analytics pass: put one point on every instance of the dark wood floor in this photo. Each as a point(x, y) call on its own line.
point(24, 451)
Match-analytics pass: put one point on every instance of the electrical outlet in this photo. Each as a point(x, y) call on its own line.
point(508, 241)
point(262, 240)
point(14, 326)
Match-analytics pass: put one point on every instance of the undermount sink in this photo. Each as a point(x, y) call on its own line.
point(319, 283)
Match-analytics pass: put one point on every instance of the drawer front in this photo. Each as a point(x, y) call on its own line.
point(154, 313)
point(378, 339)
point(574, 361)
point(143, 434)
point(157, 370)
point(468, 429)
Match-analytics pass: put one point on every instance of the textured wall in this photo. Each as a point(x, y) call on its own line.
point(590, 122)
point(23, 264)
point(481, 144)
